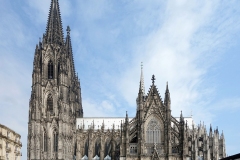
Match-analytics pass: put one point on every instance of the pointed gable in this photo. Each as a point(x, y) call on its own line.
point(153, 103)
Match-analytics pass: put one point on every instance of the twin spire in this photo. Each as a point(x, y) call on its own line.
point(54, 31)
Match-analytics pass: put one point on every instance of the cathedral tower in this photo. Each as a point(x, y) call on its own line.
point(55, 100)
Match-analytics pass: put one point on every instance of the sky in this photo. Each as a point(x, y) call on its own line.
point(193, 45)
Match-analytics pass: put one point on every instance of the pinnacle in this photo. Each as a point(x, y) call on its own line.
point(167, 90)
point(142, 87)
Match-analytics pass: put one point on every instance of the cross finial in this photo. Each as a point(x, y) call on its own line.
point(68, 30)
point(153, 79)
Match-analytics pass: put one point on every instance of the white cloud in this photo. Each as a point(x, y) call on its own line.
point(176, 52)
point(177, 41)
point(102, 109)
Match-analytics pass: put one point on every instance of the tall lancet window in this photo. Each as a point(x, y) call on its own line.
point(50, 69)
point(55, 141)
point(50, 103)
point(45, 141)
point(153, 132)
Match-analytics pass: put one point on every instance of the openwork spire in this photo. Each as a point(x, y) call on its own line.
point(54, 33)
point(142, 87)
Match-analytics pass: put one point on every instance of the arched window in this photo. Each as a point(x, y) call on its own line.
point(50, 69)
point(45, 141)
point(97, 147)
point(55, 141)
point(86, 147)
point(50, 103)
point(153, 132)
point(108, 148)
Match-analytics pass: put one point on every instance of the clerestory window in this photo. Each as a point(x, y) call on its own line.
point(50, 69)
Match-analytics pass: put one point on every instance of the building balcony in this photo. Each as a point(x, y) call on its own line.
point(8, 149)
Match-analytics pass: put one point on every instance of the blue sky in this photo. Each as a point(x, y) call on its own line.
point(194, 45)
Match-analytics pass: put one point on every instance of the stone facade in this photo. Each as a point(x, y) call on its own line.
point(152, 134)
point(10, 145)
point(58, 130)
point(55, 100)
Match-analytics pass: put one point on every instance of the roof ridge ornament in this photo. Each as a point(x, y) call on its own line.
point(153, 79)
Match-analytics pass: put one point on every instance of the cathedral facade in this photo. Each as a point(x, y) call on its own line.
point(58, 130)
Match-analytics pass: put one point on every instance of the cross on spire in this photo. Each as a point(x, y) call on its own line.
point(68, 30)
point(153, 79)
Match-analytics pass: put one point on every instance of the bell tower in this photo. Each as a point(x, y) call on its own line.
point(55, 100)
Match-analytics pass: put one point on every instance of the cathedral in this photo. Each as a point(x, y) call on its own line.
point(57, 128)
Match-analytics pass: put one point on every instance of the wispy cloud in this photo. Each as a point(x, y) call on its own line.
point(180, 42)
point(178, 51)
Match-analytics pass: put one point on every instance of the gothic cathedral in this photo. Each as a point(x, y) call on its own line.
point(58, 130)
